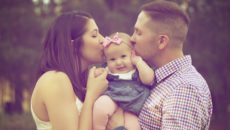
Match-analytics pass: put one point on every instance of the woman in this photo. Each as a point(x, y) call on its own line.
point(72, 45)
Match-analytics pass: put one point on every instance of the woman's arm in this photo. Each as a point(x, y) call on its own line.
point(60, 101)
point(146, 73)
point(95, 86)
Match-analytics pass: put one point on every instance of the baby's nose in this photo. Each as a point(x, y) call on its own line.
point(118, 62)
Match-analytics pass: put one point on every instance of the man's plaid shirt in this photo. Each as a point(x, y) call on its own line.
point(181, 99)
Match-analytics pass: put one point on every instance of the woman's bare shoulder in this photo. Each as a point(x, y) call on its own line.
point(54, 81)
point(53, 77)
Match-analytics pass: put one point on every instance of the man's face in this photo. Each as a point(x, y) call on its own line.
point(144, 38)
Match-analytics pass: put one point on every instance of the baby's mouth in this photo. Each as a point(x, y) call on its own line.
point(121, 68)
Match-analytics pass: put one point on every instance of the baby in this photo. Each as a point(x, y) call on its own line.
point(129, 81)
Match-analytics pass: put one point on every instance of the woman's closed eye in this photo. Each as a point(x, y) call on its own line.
point(94, 36)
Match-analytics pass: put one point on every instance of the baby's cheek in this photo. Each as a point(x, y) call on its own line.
point(110, 65)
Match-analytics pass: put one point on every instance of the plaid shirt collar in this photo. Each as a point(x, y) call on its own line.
point(173, 66)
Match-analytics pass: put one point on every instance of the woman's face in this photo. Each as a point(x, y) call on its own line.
point(92, 49)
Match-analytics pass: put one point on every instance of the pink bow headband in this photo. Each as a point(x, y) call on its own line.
point(115, 39)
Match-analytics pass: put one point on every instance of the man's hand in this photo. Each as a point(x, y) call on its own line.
point(117, 119)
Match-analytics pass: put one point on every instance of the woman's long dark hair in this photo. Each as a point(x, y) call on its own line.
point(61, 50)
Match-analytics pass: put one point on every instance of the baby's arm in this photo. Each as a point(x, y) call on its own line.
point(146, 73)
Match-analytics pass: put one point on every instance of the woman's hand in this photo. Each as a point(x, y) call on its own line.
point(98, 71)
point(116, 120)
point(96, 83)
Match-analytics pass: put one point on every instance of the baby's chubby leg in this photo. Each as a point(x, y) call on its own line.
point(104, 107)
point(131, 121)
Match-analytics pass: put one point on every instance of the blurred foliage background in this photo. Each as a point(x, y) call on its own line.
point(24, 23)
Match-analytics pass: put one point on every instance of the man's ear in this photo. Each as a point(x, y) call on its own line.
point(163, 41)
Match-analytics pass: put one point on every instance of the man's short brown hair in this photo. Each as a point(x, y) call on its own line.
point(163, 10)
point(170, 17)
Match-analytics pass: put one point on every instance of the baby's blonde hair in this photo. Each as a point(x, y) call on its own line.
point(125, 38)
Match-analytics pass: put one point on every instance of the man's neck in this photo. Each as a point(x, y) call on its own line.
point(165, 58)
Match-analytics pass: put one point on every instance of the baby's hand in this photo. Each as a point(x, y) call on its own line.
point(135, 58)
point(98, 71)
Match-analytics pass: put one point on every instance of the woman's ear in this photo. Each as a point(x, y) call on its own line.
point(163, 41)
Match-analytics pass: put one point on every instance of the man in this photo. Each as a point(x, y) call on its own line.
point(180, 99)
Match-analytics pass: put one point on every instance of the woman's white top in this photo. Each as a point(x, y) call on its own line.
point(46, 125)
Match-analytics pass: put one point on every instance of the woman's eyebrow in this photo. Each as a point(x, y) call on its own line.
point(96, 30)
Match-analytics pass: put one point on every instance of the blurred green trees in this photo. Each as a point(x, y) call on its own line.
point(24, 23)
point(208, 42)
point(20, 34)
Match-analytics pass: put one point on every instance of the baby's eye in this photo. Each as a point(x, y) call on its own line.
point(123, 56)
point(112, 59)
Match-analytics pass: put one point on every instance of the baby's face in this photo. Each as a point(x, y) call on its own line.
point(118, 58)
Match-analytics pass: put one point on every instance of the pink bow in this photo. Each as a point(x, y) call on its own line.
point(115, 39)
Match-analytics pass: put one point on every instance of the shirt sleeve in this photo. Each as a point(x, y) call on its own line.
point(182, 110)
